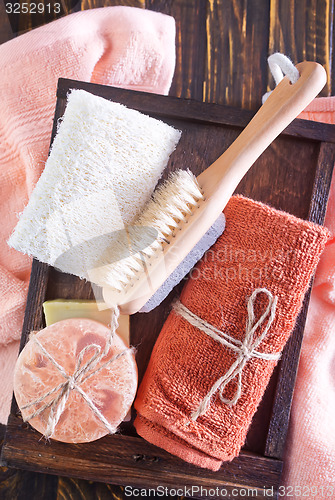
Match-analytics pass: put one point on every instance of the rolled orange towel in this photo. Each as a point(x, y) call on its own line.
point(215, 354)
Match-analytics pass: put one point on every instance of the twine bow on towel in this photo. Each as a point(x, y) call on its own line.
point(245, 350)
point(72, 382)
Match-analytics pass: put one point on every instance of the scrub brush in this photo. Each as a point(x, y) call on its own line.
point(183, 209)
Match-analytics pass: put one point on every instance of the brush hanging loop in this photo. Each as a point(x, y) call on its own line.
point(280, 65)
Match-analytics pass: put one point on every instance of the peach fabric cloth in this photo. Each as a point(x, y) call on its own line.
point(260, 248)
point(120, 46)
point(310, 446)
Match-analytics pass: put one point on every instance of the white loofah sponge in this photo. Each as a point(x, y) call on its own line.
point(104, 164)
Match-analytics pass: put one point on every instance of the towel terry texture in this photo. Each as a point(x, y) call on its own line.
point(120, 46)
point(261, 248)
point(310, 447)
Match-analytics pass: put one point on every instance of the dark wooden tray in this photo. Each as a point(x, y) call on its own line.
point(294, 174)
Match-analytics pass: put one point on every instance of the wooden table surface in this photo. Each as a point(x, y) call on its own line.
point(221, 48)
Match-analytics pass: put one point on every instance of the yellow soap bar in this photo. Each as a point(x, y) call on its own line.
point(59, 309)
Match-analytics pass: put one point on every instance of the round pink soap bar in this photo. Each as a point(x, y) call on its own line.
point(111, 389)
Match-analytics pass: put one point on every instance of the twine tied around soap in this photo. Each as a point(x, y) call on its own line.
point(245, 350)
point(72, 382)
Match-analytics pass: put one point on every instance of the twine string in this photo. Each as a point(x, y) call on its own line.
point(72, 382)
point(244, 350)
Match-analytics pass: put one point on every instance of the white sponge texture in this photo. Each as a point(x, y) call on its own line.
point(104, 164)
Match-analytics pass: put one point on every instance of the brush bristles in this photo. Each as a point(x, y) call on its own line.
point(171, 204)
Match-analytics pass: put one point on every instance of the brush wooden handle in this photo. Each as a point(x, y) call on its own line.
point(282, 106)
point(220, 180)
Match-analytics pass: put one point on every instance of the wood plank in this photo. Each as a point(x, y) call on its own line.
point(323, 177)
point(302, 31)
point(331, 49)
point(120, 459)
point(22, 484)
point(33, 320)
point(95, 4)
point(213, 114)
point(22, 22)
point(15, 484)
point(6, 31)
point(39, 13)
point(71, 488)
point(190, 16)
point(237, 43)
